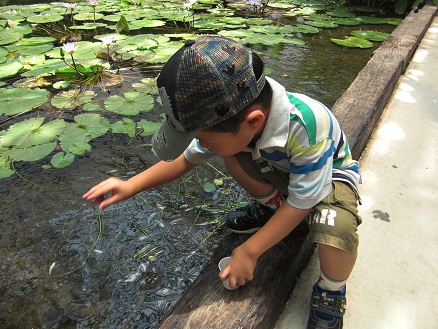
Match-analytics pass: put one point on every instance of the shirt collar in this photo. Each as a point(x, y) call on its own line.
point(276, 131)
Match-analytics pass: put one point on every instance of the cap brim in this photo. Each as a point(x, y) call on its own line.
point(168, 143)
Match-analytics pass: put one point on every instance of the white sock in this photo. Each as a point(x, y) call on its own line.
point(327, 284)
point(273, 200)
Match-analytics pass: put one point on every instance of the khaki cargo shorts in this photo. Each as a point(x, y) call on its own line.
point(333, 221)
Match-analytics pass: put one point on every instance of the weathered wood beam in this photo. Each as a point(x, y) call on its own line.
point(360, 106)
point(207, 304)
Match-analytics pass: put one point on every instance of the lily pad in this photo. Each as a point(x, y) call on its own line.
point(372, 20)
point(86, 127)
point(32, 132)
point(72, 99)
point(45, 18)
point(323, 24)
point(9, 69)
point(19, 100)
point(31, 82)
point(7, 37)
point(62, 160)
point(29, 50)
point(88, 26)
point(148, 127)
point(124, 126)
point(5, 169)
point(35, 41)
point(353, 42)
point(93, 123)
point(148, 85)
point(88, 16)
point(79, 148)
point(131, 104)
point(146, 23)
point(370, 35)
point(305, 29)
point(33, 153)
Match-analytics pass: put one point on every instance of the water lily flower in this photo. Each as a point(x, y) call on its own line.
point(12, 23)
point(69, 47)
point(70, 6)
point(108, 40)
point(254, 4)
point(93, 2)
point(190, 3)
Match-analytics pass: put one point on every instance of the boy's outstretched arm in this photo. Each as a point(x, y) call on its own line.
point(244, 257)
point(114, 190)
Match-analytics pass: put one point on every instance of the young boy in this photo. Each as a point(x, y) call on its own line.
point(287, 150)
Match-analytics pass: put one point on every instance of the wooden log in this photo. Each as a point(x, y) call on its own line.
point(360, 106)
point(258, 304)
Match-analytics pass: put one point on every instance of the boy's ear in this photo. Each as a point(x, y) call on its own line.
point(255, 118)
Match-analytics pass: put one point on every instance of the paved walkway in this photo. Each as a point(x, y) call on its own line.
point(394, 282)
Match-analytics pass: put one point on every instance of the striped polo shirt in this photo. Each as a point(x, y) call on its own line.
point(301, 137)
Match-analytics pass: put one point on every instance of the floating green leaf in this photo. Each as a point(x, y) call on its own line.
point(7, 37)
point(147, 23)
point(372, 20)
point(353, 42)
point(79, 148)
point(61, 84)
point(32, 132)
point(124, 126)
point(88, 16)
point(72, 99)
point(5, 168)
point(19, 100)
point(33, 153)
point(370, 35)
point(9, 69)
point(148, 127)
point(148, 85)
point(35, 41)
point(323, 24)
point(45, 18)
point(87, 127)
point(30, 50)
point(122, 26)
point(131, 104)
point(88, 26)
point(62, 160)
point(93, 123)
point(209, 187)
point(305, 29)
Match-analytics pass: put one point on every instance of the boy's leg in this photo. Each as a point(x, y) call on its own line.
point(255, 187)
point(260, 181)
point(336, 263)
point(333, 225)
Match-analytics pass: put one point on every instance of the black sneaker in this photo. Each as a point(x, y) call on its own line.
point(326, 309)
point(248, 219)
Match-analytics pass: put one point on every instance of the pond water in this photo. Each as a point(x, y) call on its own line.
point(63, 264)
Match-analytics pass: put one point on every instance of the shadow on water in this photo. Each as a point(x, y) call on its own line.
point(127, 266)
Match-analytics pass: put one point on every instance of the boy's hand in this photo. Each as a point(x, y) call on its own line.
point(109, 191)
point(240, 269)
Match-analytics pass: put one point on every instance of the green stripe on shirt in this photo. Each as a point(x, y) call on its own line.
point(308, 117)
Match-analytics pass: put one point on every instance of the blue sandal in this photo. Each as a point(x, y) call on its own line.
point(326, 309)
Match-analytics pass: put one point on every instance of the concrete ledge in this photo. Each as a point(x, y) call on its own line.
point(360, 106)
point(206, 304)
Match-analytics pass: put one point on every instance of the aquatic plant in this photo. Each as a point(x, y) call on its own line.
point(72, 48)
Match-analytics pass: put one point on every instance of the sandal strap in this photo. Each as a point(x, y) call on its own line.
point(331, 304)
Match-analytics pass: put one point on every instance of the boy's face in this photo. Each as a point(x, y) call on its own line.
point(227, 144)
point(224, 144)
